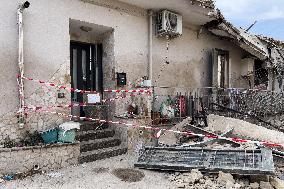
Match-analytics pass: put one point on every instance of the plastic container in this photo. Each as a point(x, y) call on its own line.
point(66, 136)
point(50, 136)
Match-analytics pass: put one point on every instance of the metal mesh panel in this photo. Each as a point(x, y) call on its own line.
point(184, 159)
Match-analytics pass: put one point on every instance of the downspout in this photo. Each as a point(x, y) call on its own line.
point(150, 62)
point(20, 11)
point(150, 55)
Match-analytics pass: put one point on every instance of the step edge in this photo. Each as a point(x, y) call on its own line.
point(94, 131)
point(98, 151)
point(99, 140)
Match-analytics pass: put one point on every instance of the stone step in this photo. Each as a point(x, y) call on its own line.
point(94, 134)
point(87, 126)
point(99, 144)
point(101, 154)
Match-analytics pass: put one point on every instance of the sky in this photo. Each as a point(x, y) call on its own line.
point(269, 15)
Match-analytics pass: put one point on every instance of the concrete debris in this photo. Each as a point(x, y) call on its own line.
point(259, 46)
point(254, 185)
point(205, 3)
point(272, 42)
point(84, 165)
point(229, 185)
point(240, 37)
point(281, 176)
point(170, 138)
point(225, 178)
point(222, 180)
point(265, 185)
point(237, 186)
point(212, 141)
point(194, 176)
point(277, 183)
point(193, 179)
point(180, 185)
point(184, 156)
point(55, 175)
point(243, 129)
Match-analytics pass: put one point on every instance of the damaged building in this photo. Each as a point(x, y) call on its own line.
point(103, 64)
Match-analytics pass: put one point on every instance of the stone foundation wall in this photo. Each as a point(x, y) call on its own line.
point(42, 96)
point(19, 160)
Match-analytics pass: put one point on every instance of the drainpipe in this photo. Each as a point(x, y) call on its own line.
point(150, 56)
point(150, 61)
point(20, 11)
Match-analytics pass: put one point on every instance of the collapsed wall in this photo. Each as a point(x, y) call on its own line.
point(244, 129)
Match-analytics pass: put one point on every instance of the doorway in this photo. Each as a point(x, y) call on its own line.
point(86, 72)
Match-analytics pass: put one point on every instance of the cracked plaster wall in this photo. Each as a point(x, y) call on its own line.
point(46, 42)
point(47, 56)
point(48, 157)
point(190, 58)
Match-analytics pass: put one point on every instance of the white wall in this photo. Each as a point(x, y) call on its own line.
point(47, 56)
point(47, 40)
point(190, 58)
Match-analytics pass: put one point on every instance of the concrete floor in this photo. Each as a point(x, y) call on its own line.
point(94, 175)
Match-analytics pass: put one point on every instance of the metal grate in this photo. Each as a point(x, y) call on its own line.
point(184, 159)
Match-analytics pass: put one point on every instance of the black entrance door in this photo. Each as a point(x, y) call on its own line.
point(86, 70)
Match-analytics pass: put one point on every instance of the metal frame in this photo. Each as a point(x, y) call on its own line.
point(244, 162)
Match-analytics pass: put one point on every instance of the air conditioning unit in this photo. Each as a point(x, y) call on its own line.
point(169, 23)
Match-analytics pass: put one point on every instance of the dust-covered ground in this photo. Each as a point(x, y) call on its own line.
point(94, 175)
point(119, 173)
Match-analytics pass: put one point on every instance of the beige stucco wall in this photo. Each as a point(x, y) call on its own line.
point(47, 56)
point(23, 160)
point(190, 58)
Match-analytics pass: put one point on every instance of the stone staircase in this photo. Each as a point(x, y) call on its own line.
point(98, 144)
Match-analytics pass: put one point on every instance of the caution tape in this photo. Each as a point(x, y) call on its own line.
point(82, 104)
point(136, 90)
point(186, 133)
point(86, 91)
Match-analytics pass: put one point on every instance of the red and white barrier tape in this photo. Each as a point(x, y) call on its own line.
point(86, 91)
point(76, 104)
point(238, 140)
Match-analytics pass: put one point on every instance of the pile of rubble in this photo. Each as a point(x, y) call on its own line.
point(185, 154)
point(196, 180)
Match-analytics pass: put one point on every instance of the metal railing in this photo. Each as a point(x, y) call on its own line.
point(233, 102)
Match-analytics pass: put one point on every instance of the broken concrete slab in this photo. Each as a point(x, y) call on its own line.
point(254, 185)
point(223, 178)
point(226, 179)
point(211, 141)
point(194, 176)
point(242, 128)
point(265, 185)
point(277, 183)
point(243, 162)
point(170, 138)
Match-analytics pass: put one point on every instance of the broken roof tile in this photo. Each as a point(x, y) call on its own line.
point(204, 3)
